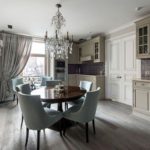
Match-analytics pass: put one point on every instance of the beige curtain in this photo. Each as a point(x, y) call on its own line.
point(15, 53)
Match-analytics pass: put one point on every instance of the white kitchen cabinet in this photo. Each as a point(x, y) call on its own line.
point(92, 50)
point(143, 38)
point(141, 97)
point(74, 57)
point(72, 80)
point(98, 47)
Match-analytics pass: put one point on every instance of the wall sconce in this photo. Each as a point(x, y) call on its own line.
point(1, 46)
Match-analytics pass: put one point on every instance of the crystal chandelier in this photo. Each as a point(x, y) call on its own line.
point(58, 46)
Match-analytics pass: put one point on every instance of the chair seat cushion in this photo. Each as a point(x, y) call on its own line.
point(73, 109)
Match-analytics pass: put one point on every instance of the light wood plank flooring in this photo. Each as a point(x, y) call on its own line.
point(116, 129)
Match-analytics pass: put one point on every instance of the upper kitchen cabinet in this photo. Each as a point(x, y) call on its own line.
point(85, 51)
point(143, 38)
point(98, 45)
point(92, 50)
point(74, 57)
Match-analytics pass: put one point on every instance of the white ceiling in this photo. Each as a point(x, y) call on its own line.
point(83, 17)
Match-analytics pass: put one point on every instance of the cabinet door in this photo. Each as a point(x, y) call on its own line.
point(85, 50)
point(142, 40)
point(141, 99)
point(72, 80)
point(74, 57)
point(98, 49)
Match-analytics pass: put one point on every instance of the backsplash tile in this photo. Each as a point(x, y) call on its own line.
point(87, 68)
point(73, 68)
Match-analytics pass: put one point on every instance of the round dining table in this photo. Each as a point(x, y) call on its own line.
point(52, 95)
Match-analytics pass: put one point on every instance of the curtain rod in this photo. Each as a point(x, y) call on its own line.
point(36, 38)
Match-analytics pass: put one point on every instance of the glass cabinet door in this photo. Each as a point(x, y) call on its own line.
point(142, 40)
point(96, 48)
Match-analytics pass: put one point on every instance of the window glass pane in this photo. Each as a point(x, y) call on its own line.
point(38, 48)
point(35, 67)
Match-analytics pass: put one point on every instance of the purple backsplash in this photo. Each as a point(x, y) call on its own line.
point(73, 68)
point(145, 66)
point(87, 68)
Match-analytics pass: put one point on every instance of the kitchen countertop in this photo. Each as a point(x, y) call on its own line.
point(145, 79)
point(87, 75)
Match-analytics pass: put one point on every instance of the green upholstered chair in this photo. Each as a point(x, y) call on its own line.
point(15, 82)
point(44, 79)
point(25, 89)
point(85, 112)
point(86, 85)
point(52, 83)
point(35, 116)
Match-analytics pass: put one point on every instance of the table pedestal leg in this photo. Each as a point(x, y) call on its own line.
point(59, 107)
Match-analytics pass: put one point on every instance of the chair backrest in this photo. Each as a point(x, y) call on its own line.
point(33, 112)
point(88, 108)
point(15, 82)
point(87, 85)
point(52, 83)
point(44, 79)
point(24, 88)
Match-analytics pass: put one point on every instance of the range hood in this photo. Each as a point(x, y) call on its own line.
point(86, 58)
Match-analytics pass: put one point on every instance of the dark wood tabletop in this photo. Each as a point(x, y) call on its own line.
point(50, 95)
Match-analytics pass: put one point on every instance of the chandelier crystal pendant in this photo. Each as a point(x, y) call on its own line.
point(58, 46)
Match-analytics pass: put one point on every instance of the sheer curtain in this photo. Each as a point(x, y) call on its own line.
point(14, 56)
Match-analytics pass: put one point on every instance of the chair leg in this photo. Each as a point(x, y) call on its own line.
point(93, 122)
point(21, 122)
point(17, 100)
point(59, 107)
point(13, 97)
point(87, 136)
point(66, 106)
point(27, 135)
point(38, 139)
point(64, 126)
point(60, 127)
point(49, 106)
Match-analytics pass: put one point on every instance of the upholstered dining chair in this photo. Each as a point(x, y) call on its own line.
point(52, 83)
point(44, 79)
point(85, 112)
point(15, 82)
point(86, 85)
point(25, 89)
point(35, 116)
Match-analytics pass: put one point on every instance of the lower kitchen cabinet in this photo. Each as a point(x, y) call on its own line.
point(141, 97)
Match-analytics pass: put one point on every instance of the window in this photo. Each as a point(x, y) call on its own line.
point(37, 62)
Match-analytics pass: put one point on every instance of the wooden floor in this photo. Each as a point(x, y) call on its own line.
point(116, 129)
